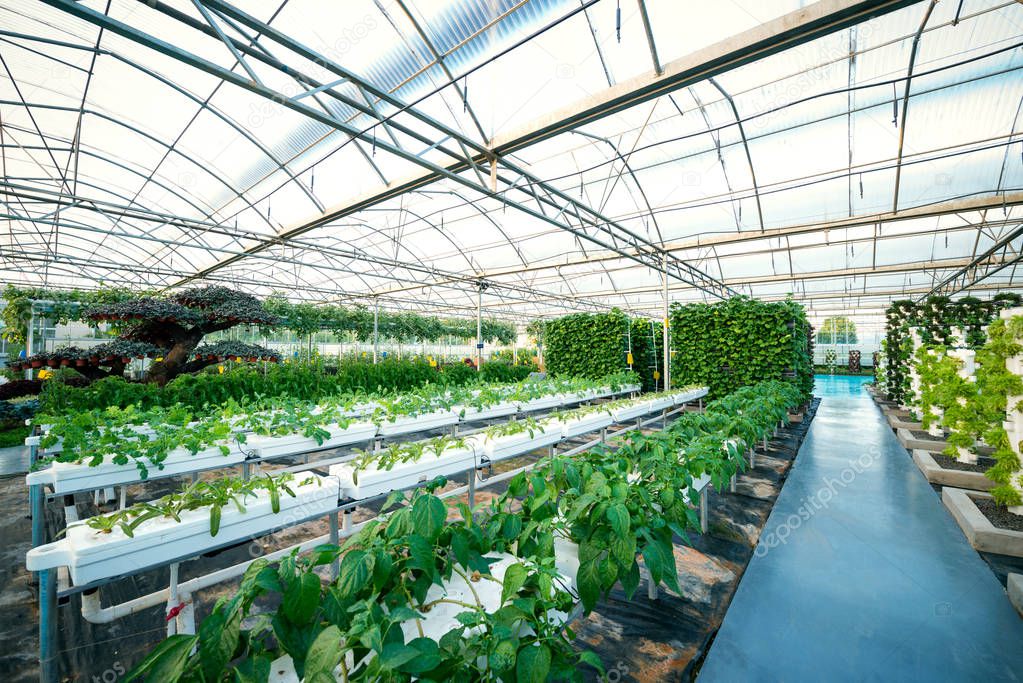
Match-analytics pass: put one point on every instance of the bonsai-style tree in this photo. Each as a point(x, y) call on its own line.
point(171, 328)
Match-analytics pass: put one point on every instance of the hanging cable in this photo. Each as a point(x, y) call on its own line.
point(618, 21)
point(955, 21)
point(895, 106)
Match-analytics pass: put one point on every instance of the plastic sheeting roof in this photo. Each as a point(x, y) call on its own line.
point(122, 164)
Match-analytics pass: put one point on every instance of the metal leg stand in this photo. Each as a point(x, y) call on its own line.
point(48, 626)
point(335, 567)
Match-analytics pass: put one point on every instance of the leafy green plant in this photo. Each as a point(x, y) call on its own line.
point(358, 622)
point(213, 494)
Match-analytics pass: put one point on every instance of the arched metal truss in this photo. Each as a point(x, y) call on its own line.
point(402, 151)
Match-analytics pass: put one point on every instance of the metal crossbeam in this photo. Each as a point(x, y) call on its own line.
point(569, 214)
point(997, 257)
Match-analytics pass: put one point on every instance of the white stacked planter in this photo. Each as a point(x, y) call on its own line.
point(1014, 418)
point(968, 371)
point(914, 378)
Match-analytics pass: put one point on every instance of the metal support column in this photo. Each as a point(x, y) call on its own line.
point(48, 626)
point(376, 329)
point(667, 341)
point(480, 287)
point(29, 342)
point(335, 539)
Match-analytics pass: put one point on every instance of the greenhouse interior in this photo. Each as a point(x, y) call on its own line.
point(511, 340)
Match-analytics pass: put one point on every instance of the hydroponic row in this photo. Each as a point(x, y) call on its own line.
point(208, 514)
point(484, 596)
point(99, 448)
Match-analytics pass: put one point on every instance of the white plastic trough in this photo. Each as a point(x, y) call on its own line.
point(274, 446)
point(585, 424)
point(372, 481)
point(91, 555)
point(418, 423)
point(511, 445)
point(686, 396)
point(631, 412)
point(473, 414)
point(542, 403)
point(660, 403)
point(68, 477)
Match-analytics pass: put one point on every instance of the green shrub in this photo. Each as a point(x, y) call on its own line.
point(305, 381)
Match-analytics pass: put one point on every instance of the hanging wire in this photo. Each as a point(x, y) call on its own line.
point(895, 106)
point(959, 9)
point(465, 94)
point(618, 21)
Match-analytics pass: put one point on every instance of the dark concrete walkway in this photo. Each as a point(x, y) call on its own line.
point(861, 574)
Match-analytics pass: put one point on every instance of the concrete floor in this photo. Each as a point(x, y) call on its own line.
point(861, 574)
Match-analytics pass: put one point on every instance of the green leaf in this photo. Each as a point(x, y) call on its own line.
point(630, 580)
point(355, 572)
point(588, 581)
point(503, 656)
point(514, 580)
point(218, 636)
point(166, 663)
point(427, 656)
point(325, 653)
point(619, 517)
point(591, 658)
point(396, 655)
point(623, 548)
point(255, 669)
point(428, 516)
point(302, 598)
point(534, 662)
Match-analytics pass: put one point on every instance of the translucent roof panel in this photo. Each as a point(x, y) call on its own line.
point(346, 151)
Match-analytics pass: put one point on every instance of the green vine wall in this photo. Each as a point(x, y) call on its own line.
point(647, 351)
point(591, 345)
point(739, 342)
